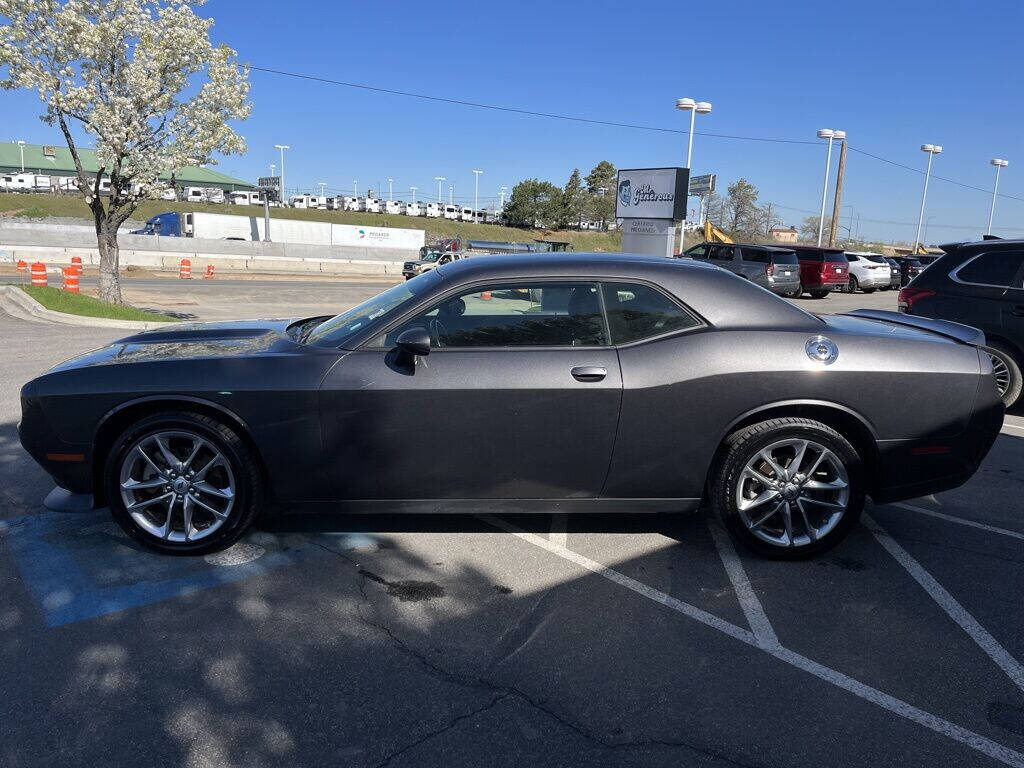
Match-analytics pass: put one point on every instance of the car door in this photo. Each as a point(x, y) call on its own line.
point(518, 399)
point(981, 291)
point(1013, 305)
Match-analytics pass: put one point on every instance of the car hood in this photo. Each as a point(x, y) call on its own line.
point(190, 341)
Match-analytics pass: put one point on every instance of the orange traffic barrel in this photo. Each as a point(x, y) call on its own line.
point(76, 264)
point(209, 272)
point(39, 274)
point(185, 271)
point(22, 266)
point(71, 279)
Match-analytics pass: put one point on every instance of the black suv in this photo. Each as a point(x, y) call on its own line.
point(979, 284)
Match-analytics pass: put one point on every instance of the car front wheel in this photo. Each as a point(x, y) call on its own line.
point(787, 488)
point(183, 483)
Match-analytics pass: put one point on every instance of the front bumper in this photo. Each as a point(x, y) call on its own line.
point(69, 464)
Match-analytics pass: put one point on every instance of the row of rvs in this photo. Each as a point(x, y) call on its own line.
point(398, 207)
point(41, 182)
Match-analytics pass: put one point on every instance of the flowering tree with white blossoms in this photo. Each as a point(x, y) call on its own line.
point(142, 79)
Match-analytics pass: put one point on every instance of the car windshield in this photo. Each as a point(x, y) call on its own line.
point(875, 257)
point(340, 328)
point(431, 256)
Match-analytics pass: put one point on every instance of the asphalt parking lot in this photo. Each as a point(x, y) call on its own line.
point(497, 640)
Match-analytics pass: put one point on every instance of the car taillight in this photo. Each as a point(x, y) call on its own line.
point(910, 296)
point(769, 270)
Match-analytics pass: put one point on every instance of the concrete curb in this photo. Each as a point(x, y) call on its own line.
point(16, 302)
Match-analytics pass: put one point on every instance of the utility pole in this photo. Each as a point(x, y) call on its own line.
point(502, 204)
point(451, 194)
point(839, 194)
point(413, 190)
point(391, 189)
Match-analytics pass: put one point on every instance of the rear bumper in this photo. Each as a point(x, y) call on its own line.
point(911, 468)
point(874, 281)
point(783, 285)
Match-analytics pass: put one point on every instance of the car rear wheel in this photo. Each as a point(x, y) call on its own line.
point(183, 483)
point(854, 285)
point(1009, 379)
point(818, 294)
point(787, 488)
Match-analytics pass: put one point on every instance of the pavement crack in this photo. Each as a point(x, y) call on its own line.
point(439, 731)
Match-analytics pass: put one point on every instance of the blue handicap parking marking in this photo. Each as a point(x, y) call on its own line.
point(82, 566)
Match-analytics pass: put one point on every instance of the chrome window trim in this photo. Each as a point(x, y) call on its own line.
point(954, 274)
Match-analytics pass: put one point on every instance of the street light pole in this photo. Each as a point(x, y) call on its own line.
point(476, 191)
point(355, 188)
point(999, 164)
point(932, 150)
point(826, 133)
point(284, 194)
point(694, 107)
point(451, 194)
point(413, 190)
point(502, 204)
point(391, 190)
point(439, 179)
point(321, 184)
point(21, 146)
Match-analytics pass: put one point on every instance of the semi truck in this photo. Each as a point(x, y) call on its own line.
point(219, 226)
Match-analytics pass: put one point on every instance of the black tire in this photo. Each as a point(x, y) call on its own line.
point(244, 467)
point(853, 285)
point(797, 293)
point(744, 445)
point(868, 290)
point(818, 294)
point(1015, 383)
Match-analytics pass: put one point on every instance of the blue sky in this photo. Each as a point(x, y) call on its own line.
point(892, 74)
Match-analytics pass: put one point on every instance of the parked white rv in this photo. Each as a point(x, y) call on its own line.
point(215, 195)
point(432, 211)
point(451, 212)
point(466, 214)
point(413, 209)
point(192, 194)
point(480, 216)
point(301, 201)
point(372, 205)
point(19, 182)
point(392, 206)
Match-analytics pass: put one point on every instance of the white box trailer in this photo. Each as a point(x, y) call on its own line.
point(432, 211)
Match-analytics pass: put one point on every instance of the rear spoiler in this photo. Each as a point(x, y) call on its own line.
point(965, 334)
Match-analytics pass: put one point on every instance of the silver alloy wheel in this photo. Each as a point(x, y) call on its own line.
point(792, 492)
point(177, 486)
point(1002, 373)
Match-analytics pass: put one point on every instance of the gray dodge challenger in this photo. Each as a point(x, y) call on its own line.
point(551, 383)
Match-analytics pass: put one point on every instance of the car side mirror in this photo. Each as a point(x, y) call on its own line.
point(414, 341)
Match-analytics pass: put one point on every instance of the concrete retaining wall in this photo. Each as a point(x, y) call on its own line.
point(56, 245)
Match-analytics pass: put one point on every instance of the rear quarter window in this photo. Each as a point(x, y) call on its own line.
point(637, 312)
point(999, 268)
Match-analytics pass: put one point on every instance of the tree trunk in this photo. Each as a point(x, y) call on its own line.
point(106, 238)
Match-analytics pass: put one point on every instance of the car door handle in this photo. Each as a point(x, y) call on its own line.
point(589, 373)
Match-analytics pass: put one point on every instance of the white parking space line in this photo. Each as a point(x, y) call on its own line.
point(1016, 427)
point(959, 520)
point(751, 605)
point(558, 533)
point(949, 604)
point(890, 703)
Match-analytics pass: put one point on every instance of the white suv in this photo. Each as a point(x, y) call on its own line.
point(868, 271)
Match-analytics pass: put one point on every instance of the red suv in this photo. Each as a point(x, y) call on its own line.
point(822, 269)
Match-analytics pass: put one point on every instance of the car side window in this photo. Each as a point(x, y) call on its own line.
point(720, 253)
point(512, 315)
point(637, 312)
point(698, 252)
point(851, 258)
point(999, 268)
point(755, 254)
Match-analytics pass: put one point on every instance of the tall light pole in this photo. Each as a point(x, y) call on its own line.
point(826, 133)
point(413, 190)
point(439, 179)
point(932, 150)
point(999, 164)
point(21, 146)
point(502, 204)
point(391, 189)
point(321, 184)
point(284, 195)
point(272, 169)
point(693, 107)
point(451, 194)
point(476, 190)
point(355, 188)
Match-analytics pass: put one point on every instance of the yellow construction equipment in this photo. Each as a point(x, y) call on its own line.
point(713, 234)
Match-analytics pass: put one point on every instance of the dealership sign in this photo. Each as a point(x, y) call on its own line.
point(702, 185)
point(651, 193)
